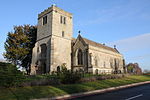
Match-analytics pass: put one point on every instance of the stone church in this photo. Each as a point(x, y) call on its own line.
point(55, 46)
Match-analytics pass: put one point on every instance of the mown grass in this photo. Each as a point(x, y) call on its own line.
point(26, 93)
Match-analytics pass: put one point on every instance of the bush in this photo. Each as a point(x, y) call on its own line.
point(102, 77)
point(10, 76)
point(68, 76)
point(41, 80)
point(63, 76)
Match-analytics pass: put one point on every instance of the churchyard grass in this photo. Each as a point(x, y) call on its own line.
point(26, 93)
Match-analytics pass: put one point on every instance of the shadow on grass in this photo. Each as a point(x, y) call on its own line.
point(26, 93)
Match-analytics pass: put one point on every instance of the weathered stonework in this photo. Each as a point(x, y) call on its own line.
point(58, 48)
point(97, 58)
point(55, 47)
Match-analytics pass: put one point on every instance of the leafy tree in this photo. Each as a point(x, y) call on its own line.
point(19, 45)
point(134, 68)
point(130, 69)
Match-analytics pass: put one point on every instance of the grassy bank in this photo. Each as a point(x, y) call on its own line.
point(26, 93)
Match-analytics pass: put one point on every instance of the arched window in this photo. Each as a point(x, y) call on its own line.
point(111, 62)
point(96, 62)
point(58, 68)
point(104, 64)
point(37, 49)
point(90, 58)
point(44, 68)
point(43, 58)
point(96, 71)
point(80, 57)
point(63, 33)
point(43, 50)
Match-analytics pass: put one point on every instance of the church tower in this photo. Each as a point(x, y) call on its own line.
point(53, 46)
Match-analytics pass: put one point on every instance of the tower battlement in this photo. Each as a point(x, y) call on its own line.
point(56, 9)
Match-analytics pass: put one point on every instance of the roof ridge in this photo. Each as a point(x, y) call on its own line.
point(104, 46)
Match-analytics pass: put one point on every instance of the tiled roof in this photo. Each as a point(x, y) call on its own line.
point(95, 44)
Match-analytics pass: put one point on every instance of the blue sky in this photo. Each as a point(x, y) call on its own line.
point(125, 23)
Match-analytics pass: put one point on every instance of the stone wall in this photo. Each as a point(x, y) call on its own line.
point(36, 55)
point(102, 58)
point(61, 53)
point(58, 46)
point(61, 44)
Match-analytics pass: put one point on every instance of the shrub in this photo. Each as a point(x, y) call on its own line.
point(102, 77)
point(41, 80)
point(9, 75)
point(68, 76)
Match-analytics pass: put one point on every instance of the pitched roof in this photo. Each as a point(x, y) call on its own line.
point(73, 40)
point(95, 44)
point(100, 45)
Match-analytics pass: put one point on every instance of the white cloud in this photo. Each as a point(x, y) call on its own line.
point(134, 43)
point(135, 49)
point(144, 56)
point(131, 10)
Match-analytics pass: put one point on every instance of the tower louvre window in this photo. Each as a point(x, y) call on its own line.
point(62, 20)
point(44, 20)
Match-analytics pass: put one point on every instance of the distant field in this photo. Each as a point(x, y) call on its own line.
point(26, 93)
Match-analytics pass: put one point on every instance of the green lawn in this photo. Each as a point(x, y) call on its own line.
point(26, 93)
